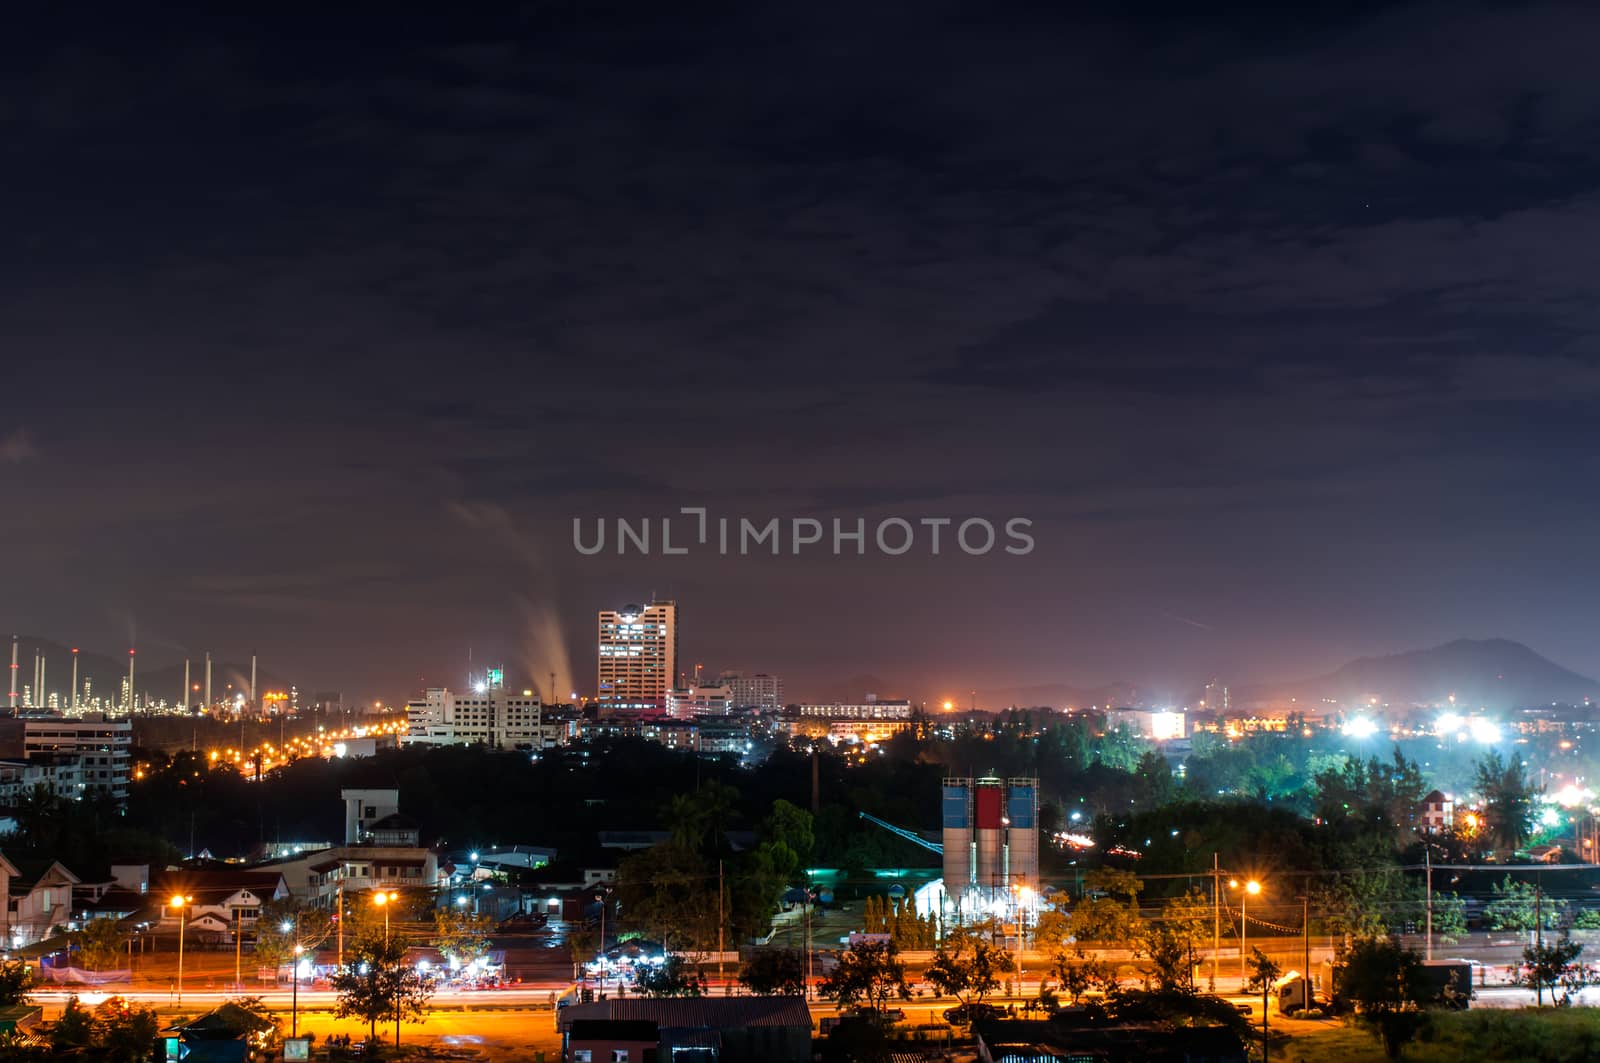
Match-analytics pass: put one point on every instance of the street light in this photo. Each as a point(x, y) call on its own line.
point(1024, 902)
point(383, 900)
point(294, 1014)
point(180, 902)
point(1251, 888)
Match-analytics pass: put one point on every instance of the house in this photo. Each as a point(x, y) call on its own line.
point(613, 1041)
point(218, 903)
point(40, 898)
point(228, 1034)
point(707, 1029)
point(1438, 813)
point(1062, 1040)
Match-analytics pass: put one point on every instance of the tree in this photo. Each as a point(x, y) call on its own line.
point(1263, 972)
point(16, 982)
point(1520, 906)
point(1174, 943)
point(770, 972)
point(100, 944)
point(1109, 910)
point(968, 966)
point(1384, 982)
point(283, 924)
point(1551, 965)
point(377, 983)
point(74, 1031)
point(670, 978)
point(870, 974)
point(123, 1033)
point(1449, 917)
point(1509, 797)
point(583, 944)
point(462, 936)
point(1080, 972)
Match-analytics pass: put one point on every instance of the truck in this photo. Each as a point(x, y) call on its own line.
point(1447, 983)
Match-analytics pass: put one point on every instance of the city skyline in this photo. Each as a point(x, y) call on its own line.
point(1278, 339)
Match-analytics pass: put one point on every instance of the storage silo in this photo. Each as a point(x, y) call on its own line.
point(957, 806)
point(988, 815)
point(1022, 832)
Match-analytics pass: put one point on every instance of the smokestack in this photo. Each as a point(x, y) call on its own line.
point(33, 689)
point(208, 680)
point(252, 698)
point(13, 673)
point(133, 702)
point(72, 696)
point(44, 702)
point(184, 701)
point(553, 700)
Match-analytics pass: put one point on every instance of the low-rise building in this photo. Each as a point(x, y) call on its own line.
point(39, 898)
point(218, 904)
point(869, 721)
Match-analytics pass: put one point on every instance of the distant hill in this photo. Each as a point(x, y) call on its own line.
point(1493, 673)
point(1059, 696)
point(106, 672)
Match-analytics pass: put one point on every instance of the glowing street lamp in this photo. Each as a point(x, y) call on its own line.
point(383, 900)
point(1250, 889)
point(180, 902)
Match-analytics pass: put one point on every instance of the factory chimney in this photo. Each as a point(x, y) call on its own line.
point(184, 701)
point(252, 698)
point(72, 695)
point(133, 702)
point(208, 681)
point(13, 673)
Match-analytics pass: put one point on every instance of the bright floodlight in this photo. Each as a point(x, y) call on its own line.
point(1485, 731)
point(1550, 818)
point(177, 901)
point(1360, 727)
point(1252, 887)
point(287, 926)
point(1449, 723)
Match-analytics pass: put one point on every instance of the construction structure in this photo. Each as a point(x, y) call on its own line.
point(991, 846)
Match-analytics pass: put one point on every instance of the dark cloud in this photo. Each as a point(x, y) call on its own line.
point(1249, 310)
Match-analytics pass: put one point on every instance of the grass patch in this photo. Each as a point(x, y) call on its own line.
point(1491, 1035)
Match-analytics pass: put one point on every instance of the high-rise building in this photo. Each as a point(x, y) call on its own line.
point(759, 692)
point(1216, 698)
point(638, 658)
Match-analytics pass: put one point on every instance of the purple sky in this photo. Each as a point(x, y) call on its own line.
point(317, 333)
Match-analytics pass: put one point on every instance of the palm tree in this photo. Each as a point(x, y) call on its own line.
point(1508, 798)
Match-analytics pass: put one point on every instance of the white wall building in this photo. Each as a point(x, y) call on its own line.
point(103, 743)
point(487, 715)
point(682, 704)
point(761, 692)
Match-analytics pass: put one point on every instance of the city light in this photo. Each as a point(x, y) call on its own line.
point(1484, 731)
point(1360, 727)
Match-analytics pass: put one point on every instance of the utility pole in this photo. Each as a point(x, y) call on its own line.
point(721, 922)
point(1427, 863)
point(1305, 923)
point(1216, 919)
point(1538, 922)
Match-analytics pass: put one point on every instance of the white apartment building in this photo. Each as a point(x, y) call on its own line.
point(760, 692)
point(699, 701)
point(102, 743)
point(637, 658)
point(487, 715)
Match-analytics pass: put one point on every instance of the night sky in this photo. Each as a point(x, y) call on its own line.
point(317, 329)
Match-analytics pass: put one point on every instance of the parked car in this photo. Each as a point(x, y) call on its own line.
point(965, 1014)
point(885, 1015)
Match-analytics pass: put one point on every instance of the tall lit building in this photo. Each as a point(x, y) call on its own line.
point(638, 657)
